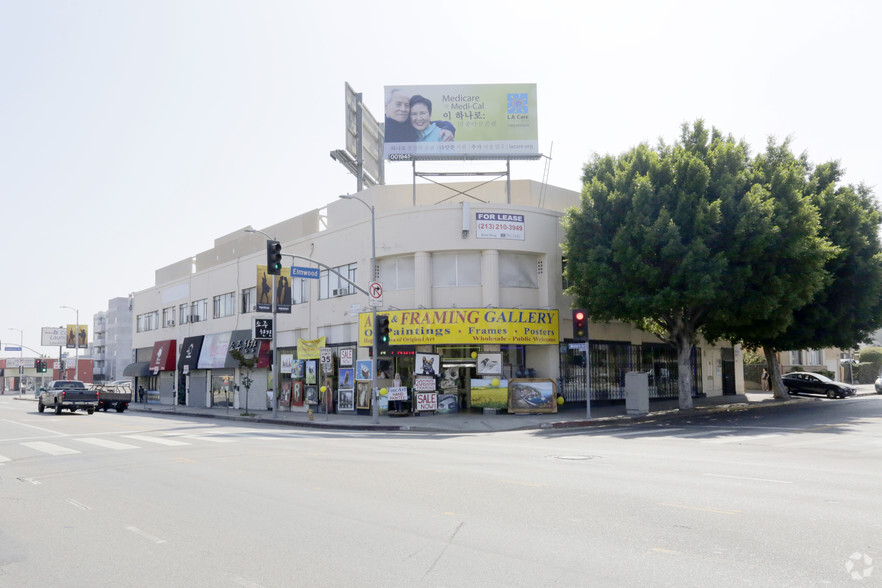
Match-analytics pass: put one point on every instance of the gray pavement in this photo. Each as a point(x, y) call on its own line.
point(478, 422)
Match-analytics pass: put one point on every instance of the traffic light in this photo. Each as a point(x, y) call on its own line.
point(273, 257)
point(381, 331)
point(580, 324)
point(41, 366)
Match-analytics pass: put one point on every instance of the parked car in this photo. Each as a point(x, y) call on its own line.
point(811, 383)
point(878, 384)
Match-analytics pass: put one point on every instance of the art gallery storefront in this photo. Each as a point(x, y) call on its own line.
point(458, 359)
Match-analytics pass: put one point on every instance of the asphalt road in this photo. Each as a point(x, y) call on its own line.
point(786, 496)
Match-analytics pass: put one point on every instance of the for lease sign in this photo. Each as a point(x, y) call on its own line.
point(495, 225)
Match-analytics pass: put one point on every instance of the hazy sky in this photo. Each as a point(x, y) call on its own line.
point(133, 133)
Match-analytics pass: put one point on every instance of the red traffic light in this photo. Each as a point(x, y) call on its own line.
point(579, 315)
point(580, 324)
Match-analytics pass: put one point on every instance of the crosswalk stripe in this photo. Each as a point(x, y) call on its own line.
point(106, 443)
point(4, 458)
point(50, 448)
point(210, 438)
point(157, 440)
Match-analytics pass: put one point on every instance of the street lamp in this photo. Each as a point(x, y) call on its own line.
point(275, 329)
point(20, 353)
point(375, 409)
point(76, 343)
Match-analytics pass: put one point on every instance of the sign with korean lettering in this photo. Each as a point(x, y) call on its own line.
point(474, 121)
point(434, 326)
point(263, 328)
point(496, 225)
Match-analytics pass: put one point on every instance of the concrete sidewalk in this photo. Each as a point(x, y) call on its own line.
point(476, 422)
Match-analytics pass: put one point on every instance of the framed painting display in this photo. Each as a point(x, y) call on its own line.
point(346, 399)
point(297, 393)
point(427, 364)
point(528, 395)
point(311, 395)
point(285, 396)
point(489, 393)
point(489, 364)
point(363, 370)
point(297, 369)
point(346, 378)
point(311, 371)
point(362, 395)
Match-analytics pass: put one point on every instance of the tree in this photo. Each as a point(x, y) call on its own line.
point(676, 237)
point(848, 309)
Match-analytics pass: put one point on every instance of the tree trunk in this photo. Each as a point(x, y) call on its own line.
point(778, 391)
point(684, 371)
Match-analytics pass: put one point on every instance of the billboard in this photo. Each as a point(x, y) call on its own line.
point(474, 121)
point(53, 336)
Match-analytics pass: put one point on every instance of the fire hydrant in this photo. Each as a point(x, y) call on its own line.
point(309, 414)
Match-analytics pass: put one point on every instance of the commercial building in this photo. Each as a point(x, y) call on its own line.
point(111, 346)
point(471, 279)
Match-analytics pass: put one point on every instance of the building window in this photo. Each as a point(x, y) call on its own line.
point(184, 314)
point(518, 270)
point(199, 310)
point(794, 358)
point(813, 356)
point(249, 300)
point(456, 269)
point(224, 305)
point(299, 290)
point(396, 273)
point(168, 316)
point(148, 321)
point(332, 286)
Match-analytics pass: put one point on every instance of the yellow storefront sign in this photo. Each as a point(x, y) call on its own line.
point(465, 326)
point(310, 348)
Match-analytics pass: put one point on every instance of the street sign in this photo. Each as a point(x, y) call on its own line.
point(375, 291)
point(263, 328)
point(305, 272)
point(11, 348)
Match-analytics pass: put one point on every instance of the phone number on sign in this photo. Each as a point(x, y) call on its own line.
point(499, 227)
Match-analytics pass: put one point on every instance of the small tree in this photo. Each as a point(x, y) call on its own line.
point(247, 364)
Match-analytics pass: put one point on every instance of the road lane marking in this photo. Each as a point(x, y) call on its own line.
point(701, 508)
point(662, 550)
point(157, 440)
point(107, 443)
point(56, 433)
point(3, 458)
point(50, 448)
point(528, 484)
point(648, 432)
point(748, 478)
point(145, 535)
point(79, 505)
point(213, 439)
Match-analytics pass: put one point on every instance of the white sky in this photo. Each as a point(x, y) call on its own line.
point(133, 133)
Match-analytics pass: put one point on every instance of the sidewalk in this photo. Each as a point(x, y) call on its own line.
point(476, 422)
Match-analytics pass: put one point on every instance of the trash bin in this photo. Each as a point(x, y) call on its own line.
point(637, 393)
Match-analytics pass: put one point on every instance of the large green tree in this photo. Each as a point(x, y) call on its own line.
point(849, 306)
point(675, 237)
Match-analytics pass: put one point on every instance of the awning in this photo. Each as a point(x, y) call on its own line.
point(139, 369)
point(190, 350)
point(163, 358)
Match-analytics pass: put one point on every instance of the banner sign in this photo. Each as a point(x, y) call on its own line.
point(465, 326)
point(494, 225)
point(475, 121)
point(310, 348)
point(264, 302)
point(77, 338)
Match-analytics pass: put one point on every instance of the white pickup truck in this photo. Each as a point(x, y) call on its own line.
point(70, 394)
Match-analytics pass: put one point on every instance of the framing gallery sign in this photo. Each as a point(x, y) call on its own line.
point(465, 326)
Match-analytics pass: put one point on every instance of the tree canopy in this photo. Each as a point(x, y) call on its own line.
point(680, 237)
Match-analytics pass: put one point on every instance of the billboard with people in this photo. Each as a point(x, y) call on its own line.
point(484, 121)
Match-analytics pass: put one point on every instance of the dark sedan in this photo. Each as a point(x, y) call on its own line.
point(810, 383)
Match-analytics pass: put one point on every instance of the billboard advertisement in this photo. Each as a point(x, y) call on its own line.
point(474, 121)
